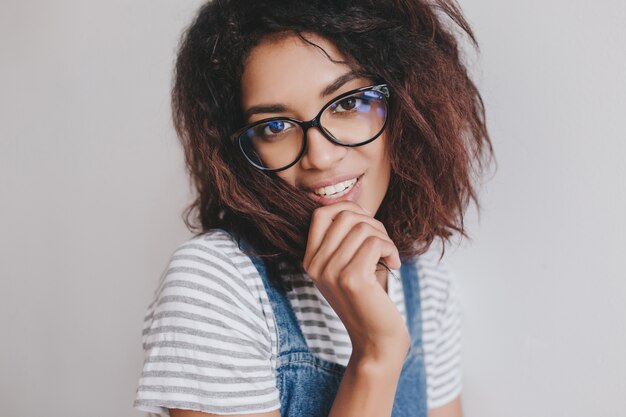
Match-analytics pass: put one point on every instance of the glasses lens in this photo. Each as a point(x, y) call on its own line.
point(356, 118)
point(273, 144)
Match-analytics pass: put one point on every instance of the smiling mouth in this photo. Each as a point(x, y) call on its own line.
point(336, 190)
point(348, 190)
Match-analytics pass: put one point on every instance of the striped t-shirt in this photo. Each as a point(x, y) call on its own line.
point(210, 340)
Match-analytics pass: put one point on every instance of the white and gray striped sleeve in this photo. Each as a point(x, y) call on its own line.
point(206, 343)
point(442, 331)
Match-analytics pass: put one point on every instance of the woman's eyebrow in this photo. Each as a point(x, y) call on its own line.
point(280, 108)
point(336, 85)
point(264, 108)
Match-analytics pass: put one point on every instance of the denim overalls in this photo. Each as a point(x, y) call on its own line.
point(308, 384)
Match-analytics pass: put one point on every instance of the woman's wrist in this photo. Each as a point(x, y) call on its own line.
point(387, 353)
point(377, 361)
point(368, 386)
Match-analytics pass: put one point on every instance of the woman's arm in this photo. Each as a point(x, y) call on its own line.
point(344, 246)
point(368, 386)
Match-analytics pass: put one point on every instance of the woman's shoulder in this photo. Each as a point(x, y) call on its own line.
point(208, 274)
point(437, 288)
point(214, 252)
point(205, 321)
point(433, 269)
point(213, 241)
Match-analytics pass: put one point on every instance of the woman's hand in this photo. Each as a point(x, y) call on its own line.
point(344, 246)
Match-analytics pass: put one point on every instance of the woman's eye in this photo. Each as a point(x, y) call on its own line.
point(273, 128)
point(347, 104)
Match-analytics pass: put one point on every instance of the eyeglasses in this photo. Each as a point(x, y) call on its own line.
point(351, 119)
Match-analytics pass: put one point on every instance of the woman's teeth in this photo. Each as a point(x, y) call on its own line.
point(336, 190)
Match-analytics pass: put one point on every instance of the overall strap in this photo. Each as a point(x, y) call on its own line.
point(410, 283)
point(410, 399)
point(290, 337)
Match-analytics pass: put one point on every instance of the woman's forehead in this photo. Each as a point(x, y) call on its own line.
point(285, 69)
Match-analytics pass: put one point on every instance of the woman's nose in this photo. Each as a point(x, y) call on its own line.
point(320, 152)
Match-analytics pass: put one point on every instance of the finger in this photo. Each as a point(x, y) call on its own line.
point(361, 269)
point(341, 242)
point(341, 225)
point(320, 221)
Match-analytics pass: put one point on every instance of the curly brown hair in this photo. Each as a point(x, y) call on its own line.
point(438, 140)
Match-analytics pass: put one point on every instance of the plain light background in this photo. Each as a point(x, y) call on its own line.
point(92, 185)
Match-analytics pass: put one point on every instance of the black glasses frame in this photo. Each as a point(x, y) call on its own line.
point(315, 122)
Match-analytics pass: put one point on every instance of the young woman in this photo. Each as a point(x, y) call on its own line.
point(332, 144)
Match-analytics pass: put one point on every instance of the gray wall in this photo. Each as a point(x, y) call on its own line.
point(92, 185)
point(544, 281)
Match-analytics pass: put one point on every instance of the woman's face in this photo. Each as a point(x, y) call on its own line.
point(297, 79)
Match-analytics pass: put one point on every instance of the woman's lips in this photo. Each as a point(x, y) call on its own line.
point(352, 195)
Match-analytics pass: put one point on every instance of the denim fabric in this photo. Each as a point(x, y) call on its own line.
point(308, 384)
